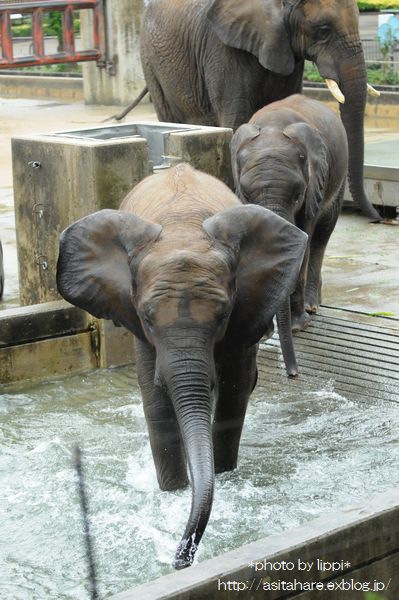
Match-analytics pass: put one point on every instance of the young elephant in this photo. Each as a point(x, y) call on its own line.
point(292, 157)
point(196, 277)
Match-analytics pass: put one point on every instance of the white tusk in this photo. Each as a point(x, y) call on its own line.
point(334, 89)
point(372, 91)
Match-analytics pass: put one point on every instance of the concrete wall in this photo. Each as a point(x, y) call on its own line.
point(52, 339)
point(361, 541)
point(122, 78)
point(385, 106)
point(43, 88)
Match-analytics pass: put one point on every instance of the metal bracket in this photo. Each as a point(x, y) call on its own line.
point(110, 68)
point(42, 261)
point(38, 209)
point(108, 65)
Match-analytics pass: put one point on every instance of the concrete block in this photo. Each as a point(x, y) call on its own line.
point(44, 359)
point(33, 86)
point(381, 186)
point(58, 180)
point(363, 539)
point(55, 339)
point(39, 322)
point(208, 151)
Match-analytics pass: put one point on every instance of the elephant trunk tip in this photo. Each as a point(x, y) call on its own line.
point(185, 553)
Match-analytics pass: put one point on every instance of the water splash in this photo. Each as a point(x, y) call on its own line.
point(299, 457)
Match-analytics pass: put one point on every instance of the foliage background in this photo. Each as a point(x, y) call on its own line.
point(377, 4)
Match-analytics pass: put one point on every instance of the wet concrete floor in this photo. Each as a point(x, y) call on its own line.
point(361, 268)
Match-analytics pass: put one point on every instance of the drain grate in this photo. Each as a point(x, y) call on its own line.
point(343, 351)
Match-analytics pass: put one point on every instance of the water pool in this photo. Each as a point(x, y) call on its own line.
point(299, 457)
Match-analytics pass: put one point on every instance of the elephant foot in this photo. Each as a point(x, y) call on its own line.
point(300, 322)
point(311, 308)
point(313, 299)
point(224, 468)
point(171, 485)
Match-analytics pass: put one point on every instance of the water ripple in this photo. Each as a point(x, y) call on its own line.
point(299, 457)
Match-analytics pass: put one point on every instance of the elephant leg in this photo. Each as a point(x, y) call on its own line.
point(322, 232)
point(237, 375)
point(162, 108)
point(300, 319)
point(166, 445)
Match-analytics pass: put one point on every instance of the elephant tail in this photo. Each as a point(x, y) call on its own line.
point(130, 106)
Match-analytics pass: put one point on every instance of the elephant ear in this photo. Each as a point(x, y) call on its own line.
point(269, 251)
point(93, 269)
point(243, 136)
point(317, 166)
point(257, 27)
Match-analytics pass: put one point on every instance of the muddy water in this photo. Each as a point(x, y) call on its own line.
point(299, 458)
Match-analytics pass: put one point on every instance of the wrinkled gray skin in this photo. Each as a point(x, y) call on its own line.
point(196, 277)
point(292, 158)
point(216, 62)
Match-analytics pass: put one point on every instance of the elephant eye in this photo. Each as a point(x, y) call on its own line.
point(297, 197)
point(323, 32)
point(147, 317)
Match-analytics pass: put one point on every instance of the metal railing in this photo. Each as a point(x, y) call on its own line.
point(374, 55)
point(68, 53)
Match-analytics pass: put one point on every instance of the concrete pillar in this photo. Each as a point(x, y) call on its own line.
point(58, 180)
point(122, 78)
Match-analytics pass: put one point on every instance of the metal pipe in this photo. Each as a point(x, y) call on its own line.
point(19, 7)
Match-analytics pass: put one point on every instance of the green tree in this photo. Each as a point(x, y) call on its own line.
point(53, 26)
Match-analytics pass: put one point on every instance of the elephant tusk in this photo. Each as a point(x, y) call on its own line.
point(372, 91)
point(334, 89)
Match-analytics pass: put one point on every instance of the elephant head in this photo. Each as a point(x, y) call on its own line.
point(283, 169)
point(184, 296)
point(282, 32)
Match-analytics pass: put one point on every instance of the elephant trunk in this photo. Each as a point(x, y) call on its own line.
point(188, 383)
point(286, 342)
point(353, 83)
point(276, 203)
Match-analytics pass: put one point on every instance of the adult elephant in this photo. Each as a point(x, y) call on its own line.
point(292, 158)
point(196, 277)
point(216, 62)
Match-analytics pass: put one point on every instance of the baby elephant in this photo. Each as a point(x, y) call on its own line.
point(197, 277)
point(292, 157)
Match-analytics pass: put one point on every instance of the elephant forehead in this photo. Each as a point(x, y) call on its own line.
point(169, 311)
point(282, 167)
point(343, 12)
point(184, 285)
point(183, 272)
point(274, 152)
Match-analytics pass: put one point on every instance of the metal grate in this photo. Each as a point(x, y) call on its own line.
point(342, 350)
